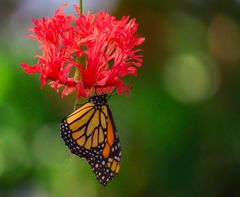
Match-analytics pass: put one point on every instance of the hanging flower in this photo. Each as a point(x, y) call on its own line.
point(88, 53)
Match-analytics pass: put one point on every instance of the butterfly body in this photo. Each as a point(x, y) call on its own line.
point(90, 132)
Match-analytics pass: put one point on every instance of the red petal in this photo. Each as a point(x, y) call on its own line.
point(31, 69)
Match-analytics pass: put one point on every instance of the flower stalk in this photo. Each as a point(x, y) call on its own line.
point(78, 60)
point(80, 6)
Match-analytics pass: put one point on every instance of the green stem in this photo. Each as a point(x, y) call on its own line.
point(76, 75)
point(78, 60)
point(80, 6)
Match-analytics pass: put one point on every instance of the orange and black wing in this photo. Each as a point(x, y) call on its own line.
point(90, 132)
point(83, 131)
point(107, 165)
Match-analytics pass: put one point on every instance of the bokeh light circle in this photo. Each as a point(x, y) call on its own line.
point(224, 39)
point(191, 77)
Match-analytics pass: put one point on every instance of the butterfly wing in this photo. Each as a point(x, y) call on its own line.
point(90, 132)
point(83, 132)
point(107, 165)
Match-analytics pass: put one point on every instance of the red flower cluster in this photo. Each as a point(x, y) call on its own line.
point(98, 47)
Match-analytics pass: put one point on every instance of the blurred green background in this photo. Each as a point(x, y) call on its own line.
point(179, 129)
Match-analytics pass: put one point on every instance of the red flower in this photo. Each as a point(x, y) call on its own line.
point(100, 47)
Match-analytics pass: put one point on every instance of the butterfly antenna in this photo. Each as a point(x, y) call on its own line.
point(113, 93)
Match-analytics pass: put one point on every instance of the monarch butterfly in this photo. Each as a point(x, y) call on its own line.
point(90, 132)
